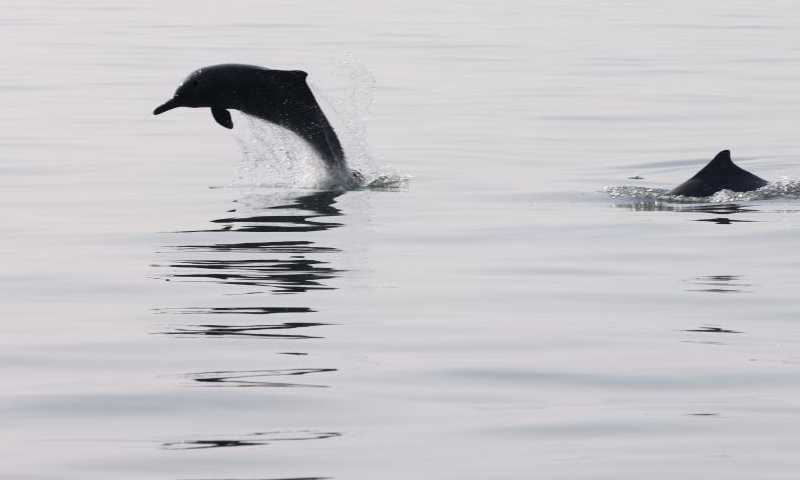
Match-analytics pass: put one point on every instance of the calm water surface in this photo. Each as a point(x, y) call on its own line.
point(169, 312)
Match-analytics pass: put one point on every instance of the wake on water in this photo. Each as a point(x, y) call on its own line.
point(276, 157)
point(784, 189)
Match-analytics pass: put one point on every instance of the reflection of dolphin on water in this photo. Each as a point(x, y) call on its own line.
point(720, 174)
point(282, 265)
point(277, 96)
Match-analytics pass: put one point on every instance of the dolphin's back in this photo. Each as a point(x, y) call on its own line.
point(283, 97)
point(720, 174)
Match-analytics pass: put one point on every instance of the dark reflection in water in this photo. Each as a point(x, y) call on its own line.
point(710, 208)
point(318, 204)
point(710, 329)
point(267, 263)
point(286, 270)
point(706, 208)
point(722, 220)
point(273, 223)
point(249, 440)
point(299, 246)
point(281, 275)
point(254, 378)
point(719, 284)
point(713, 329)
point(235, 310)
point(263, 331)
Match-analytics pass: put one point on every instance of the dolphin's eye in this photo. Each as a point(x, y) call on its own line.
point(194, 83)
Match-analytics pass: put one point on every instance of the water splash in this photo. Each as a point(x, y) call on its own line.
point(638, 193)
point(388, 180)
point(274, 156)
point(783, 189)
point(346, 94)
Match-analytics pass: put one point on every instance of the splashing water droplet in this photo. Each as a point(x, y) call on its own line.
point(784, 188)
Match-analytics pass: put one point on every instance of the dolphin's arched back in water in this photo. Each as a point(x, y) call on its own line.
point(281, 97)
point(720, 174)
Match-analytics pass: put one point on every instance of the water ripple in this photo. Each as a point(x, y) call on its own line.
point(280, 275)
point(247, 440)
point(254, 378)
point(719, 284)
point(259, 331)
point(234, 310)
point(298, 246)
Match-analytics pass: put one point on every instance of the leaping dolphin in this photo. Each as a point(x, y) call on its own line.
point(278, 96)
point(720, 174)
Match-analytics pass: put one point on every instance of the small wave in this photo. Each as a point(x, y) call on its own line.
point(247, 440)
point(785, 189)
point(393, 181)
point(253, 378)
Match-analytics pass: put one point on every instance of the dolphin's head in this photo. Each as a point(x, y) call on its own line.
point(202, 88)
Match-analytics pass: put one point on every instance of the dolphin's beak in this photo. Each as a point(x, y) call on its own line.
point(168, 105)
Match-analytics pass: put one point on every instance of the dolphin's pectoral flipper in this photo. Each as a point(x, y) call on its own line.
point(222, 116)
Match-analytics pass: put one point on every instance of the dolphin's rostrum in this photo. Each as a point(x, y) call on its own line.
point(720, 174)
point(281, 97)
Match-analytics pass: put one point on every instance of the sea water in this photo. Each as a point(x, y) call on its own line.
point(180, 302)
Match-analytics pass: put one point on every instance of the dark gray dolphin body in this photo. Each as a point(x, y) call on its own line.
point(720, 174)
point(278, 96)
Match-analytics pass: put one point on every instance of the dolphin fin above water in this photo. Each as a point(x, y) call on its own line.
point(720, 174)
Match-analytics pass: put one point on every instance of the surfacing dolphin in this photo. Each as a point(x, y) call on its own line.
point(281, 97)
point(720, 174)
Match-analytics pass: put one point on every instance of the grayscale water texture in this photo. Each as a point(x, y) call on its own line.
point(513, 299)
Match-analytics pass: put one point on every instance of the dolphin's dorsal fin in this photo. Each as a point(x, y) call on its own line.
point(721, 162)
point(720, 173)
point(222, 116)
point(723, 166)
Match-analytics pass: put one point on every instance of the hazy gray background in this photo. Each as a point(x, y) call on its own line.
point(499, 317)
